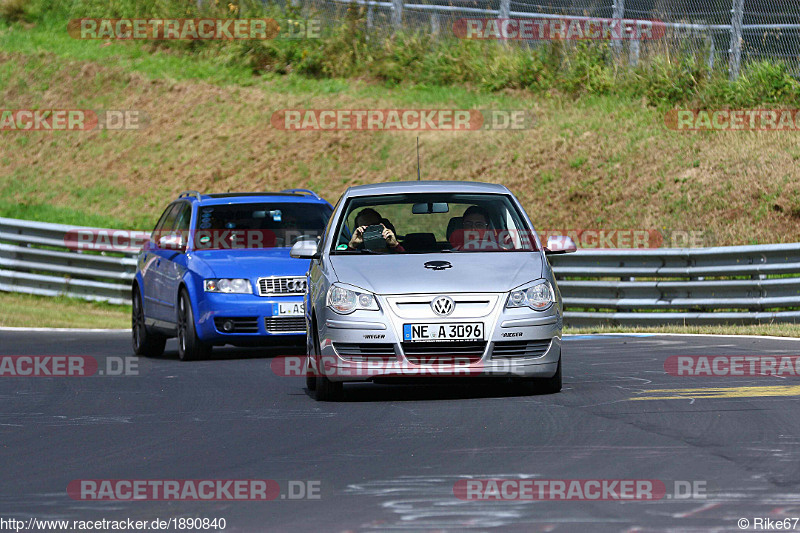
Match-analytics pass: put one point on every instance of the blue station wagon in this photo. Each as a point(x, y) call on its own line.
point(216, 270)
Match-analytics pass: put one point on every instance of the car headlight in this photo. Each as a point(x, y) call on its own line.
point(344, 301)
point(228, 285)
point(539, 296)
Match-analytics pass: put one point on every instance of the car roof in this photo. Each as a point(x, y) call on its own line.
point(285, 196)
point(428, 186)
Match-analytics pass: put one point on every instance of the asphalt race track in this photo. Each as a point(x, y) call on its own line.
point(388, 456)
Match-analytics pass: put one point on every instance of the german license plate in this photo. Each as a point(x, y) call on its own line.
point(443, 332)
point(289, 309)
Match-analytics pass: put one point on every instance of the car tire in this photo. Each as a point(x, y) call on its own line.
point(328, 391)
point(190, 347)
point(144, 343)
point(311, 379)
point(545, 385)
point(324, 389)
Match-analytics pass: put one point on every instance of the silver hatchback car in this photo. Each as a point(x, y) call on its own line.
point(431, 278)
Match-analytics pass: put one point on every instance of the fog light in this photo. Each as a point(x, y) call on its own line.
point(227, 326)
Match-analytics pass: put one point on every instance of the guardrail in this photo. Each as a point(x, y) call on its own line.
point(723, 285)
point(734, 284)
point(35, 259)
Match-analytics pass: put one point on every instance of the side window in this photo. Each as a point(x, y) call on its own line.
point(169, 223)
point(183, 219)
point(160, 223)
point(166, 223)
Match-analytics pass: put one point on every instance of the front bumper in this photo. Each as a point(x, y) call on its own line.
point(517, 343)
point(254, 318)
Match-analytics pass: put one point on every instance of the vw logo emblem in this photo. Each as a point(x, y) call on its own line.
point(443, 305)
point(296, 285)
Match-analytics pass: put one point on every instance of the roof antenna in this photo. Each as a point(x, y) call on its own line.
point(418, 178)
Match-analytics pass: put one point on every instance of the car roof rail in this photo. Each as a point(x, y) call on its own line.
point(302, 191)
point(184, 194)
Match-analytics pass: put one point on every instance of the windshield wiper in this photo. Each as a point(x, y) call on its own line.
point(358, 251)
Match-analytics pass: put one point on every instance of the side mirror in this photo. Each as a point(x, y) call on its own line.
point(560, 244)
point(172, 242)
point(304, 250)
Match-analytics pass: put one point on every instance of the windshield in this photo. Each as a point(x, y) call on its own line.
point(259, 225)
point(432, 223)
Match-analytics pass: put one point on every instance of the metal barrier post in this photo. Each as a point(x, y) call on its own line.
point(735, 51)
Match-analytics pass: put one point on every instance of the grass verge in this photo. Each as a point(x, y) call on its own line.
point(776, 330)
point(598, 155)
point(25, 310)
point(596, 162)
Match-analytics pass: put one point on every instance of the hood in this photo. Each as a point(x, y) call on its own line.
point(252, 263)
point(470, 272)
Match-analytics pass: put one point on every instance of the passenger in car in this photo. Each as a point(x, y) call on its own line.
point(370, 217)
point(465, 229)
point(475, 218)
point(475, 234)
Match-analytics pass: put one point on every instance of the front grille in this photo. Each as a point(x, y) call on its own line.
point(443, 353)
point(467, 306)
point(247, 324)
point(286, 285)
point(293, 324)
point(383, 352)
point(520, 348)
